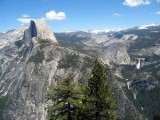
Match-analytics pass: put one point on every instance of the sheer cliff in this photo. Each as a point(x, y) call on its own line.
point(31, 59)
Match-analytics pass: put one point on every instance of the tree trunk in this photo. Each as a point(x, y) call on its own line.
point(69, 112)
point(97, 115)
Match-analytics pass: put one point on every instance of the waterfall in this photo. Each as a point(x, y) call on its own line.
point(139, 63)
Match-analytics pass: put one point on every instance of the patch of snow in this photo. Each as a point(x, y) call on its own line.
point(146, 26)
point(94, 31)
point(99, 31)
point(70, 31)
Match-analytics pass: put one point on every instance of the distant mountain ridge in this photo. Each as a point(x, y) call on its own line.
point(94, 31)
point(134, 56)
point(107, 30)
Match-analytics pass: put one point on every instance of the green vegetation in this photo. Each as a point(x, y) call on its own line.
point(130, 96)
point(66, 100)
point(88, 63)
point(38, 57)
point(128, 71)
point(147, 40)
point(69, 61)
point(50, 56)
point(99, 98)
point(94, 101)
point(71, 41)
point(19, 43)
point(44, 43)
point(150, 101)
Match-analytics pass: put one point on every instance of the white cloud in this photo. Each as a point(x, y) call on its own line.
point(117, 14)
point(158, 1)
point(24, 20)
point(52, 15)
point(158, 13)
point(25, 16)
point(133, 3)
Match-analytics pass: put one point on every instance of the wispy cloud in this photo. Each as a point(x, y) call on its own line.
point(157, 13)
point(116, 14)
point(25, 16)
point(24, 20)
point(52, 15)
point(158, 1)
point(134, 3)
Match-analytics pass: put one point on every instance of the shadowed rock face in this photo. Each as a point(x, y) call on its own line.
point(33, 29)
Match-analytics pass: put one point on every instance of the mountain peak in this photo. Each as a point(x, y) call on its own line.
point(39, 28)
point(146, 26)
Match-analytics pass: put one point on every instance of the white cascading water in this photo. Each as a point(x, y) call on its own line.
point(139, 63)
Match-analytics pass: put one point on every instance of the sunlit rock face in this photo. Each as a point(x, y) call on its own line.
point(39, 30)
point(31, 59)
point(12, 36)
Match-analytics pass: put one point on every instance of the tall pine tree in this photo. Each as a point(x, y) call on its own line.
point(65, 100)
point(100, 103)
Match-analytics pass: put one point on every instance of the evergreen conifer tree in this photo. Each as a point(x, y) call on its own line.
point(65, 100)
point(100, 103)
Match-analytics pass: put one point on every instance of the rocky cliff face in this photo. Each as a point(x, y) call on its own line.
point(31, 59)
point(115, 53)
point(28, 65)
point(12, 36)
point(38, 30)
point(134, 56)
point(1, 33)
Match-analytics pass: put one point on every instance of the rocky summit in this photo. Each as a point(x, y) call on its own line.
point(39, 30)
point(32, 57)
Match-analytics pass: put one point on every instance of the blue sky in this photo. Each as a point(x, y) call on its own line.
point(64, 15)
